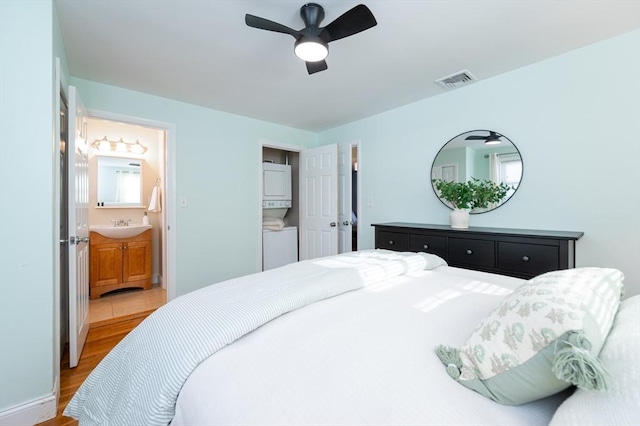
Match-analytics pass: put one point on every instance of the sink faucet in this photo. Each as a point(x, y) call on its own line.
point(121, 222)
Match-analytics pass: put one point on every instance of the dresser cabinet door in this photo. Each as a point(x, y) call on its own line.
point(392, 241)
point(479, 253)
point(528, 259)
point(428, 244)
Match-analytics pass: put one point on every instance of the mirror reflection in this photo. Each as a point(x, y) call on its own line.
point(119, 182)
point(480, 154)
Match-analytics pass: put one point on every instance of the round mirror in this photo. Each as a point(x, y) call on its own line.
point(483, 156)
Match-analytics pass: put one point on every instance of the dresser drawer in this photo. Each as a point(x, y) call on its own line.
point(472, 252)
point(530, 259)
point(428, 244)
point(392, 241)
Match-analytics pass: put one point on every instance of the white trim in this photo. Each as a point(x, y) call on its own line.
point(169, 181)
point(58, 91)
point(264, 143)
point(30, 413)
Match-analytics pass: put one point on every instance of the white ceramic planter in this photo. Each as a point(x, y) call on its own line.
point(459, 219)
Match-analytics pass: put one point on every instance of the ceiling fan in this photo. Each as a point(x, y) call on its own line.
point(492, 139)
point(312, 41)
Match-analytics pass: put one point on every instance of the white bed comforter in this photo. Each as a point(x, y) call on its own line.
point(139, 380)
point(363, 358)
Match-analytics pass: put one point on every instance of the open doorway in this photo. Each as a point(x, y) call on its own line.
point(348, 212)
point(280, 213)
point(128, 175)
point(343, 221)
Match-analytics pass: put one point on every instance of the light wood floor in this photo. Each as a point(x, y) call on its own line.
point(119, 314)
point(115, 307)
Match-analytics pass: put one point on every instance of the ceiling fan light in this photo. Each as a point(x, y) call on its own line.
point(311, 50)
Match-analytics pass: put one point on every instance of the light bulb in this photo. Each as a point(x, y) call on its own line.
point(311, 49)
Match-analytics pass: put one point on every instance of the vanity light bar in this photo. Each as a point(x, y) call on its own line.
point(105, 144)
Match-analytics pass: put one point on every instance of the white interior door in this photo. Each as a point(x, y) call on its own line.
point(319, 202)
point(445, 172)
point(78, 174)
point(344, 198)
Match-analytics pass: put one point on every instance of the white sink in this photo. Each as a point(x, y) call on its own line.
point(111, 231)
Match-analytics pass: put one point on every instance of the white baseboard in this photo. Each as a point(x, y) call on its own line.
point(30, 413)
point(156, 279)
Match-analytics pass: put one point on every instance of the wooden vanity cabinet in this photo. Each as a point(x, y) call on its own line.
point(522, 253)
point(119, 263)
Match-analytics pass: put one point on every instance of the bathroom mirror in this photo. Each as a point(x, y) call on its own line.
point(119, 182)
point(480, 154)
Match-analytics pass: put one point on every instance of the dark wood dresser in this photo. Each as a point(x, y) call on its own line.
point(522, 253)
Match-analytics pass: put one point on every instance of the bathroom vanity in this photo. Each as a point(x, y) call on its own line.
point(119, 262)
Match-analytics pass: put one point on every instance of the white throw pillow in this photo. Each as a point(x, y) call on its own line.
point(540, 339)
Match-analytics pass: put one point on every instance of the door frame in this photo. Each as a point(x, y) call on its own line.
point(60, 89)
point(168, 189)
point(264, 143)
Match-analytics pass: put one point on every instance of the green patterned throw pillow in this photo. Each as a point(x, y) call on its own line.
point(542, 338)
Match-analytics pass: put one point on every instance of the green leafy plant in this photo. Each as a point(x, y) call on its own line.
point(473, 194)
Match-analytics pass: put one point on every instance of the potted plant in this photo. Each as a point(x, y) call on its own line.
point(465, 196)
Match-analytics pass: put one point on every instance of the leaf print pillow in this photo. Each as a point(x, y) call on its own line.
point(542, 338)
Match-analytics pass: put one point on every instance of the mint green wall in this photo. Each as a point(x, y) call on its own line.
point(216, 169)
point(26, 197)
point(563, 114)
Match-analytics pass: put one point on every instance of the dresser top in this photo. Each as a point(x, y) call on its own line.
point(567, 235)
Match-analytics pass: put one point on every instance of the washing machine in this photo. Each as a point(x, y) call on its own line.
point(279, 248)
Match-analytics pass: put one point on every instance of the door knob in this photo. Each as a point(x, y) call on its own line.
point(346, 223)
point(332, 224)
point(83, 240)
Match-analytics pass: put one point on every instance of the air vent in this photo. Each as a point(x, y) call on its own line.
point(460, 78)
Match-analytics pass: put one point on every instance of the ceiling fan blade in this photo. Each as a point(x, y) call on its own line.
point(349, 23)
point(314, 67)
point(475, 138)
point(265, 24)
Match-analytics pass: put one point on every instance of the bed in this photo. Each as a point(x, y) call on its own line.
point(344, 340)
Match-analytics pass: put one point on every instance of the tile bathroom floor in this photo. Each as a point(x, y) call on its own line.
point(125, 304)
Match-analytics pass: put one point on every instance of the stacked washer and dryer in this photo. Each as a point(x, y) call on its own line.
point(279, 246)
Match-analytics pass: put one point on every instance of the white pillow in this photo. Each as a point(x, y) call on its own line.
point(620, 405)
point(540, 339)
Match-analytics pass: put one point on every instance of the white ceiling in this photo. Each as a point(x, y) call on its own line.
point(201, 51)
